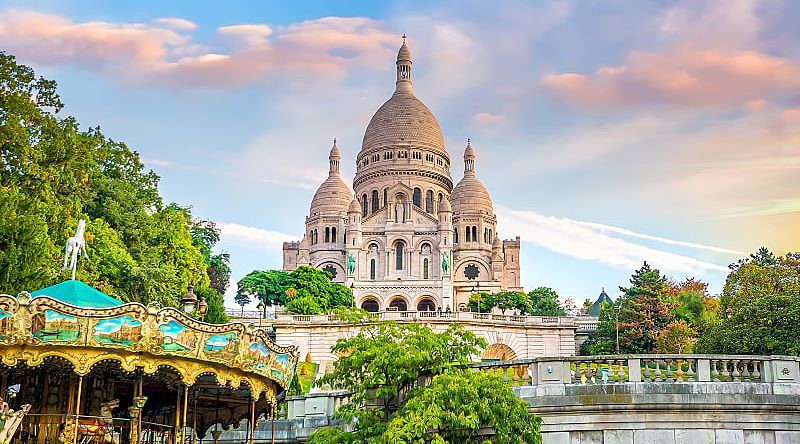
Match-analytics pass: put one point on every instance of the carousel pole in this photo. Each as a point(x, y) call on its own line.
point(77, 410)
point(194, 417)
point(178, 416)
point(252, 419)
point(274, 413)
point(185, 408)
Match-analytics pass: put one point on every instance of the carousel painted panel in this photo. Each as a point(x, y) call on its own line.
point(283, 367)
point(175, 337)
point(258, 356)
point(53, 326)
point(6, 324)
point(222, 347)
point(119, 331)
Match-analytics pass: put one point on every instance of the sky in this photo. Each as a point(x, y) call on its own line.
point(608, 133)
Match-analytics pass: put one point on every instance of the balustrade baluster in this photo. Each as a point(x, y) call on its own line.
point(658, 370)
point(679, 370)
point(745, 370)
point(576, 376)
point(735, 375)
point(504, 373)
point(647, 374)
point(714, 370)
point(621, 371)
point(726, 375)
point(668, 364)
point(691, 376)
point(589, 373)
point(756, 371)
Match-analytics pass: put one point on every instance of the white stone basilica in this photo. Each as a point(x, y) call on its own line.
point(406, 239)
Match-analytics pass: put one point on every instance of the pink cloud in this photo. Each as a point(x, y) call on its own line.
point(163, 52)
point(487, 118)
point(680, 77)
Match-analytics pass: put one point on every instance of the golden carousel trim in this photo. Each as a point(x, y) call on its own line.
point(143, 340)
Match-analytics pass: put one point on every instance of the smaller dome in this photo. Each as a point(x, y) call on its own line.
point(469, 195)
point(355, 207)
point(404, 54)
point(497, 242)
point(444, 206)
point(333, 196)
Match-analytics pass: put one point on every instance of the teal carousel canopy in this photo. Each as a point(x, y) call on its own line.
point(78, 294)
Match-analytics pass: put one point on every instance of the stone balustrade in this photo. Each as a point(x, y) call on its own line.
point(644, 368)
point(414, 316)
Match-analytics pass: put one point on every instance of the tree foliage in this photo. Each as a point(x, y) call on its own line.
point(759, 311)
point(53, 173)
point(542, 301)
point(382, 365)
point(305, 290)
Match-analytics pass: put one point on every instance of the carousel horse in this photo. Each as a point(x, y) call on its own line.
point(75, 246)
point(10, 420)
point(94, 430)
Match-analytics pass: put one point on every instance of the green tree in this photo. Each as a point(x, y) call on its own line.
point(643, 311)
point(544, 302)
point(382, 365)
point(759, 310)
point(312, 290)
point(242, 300)
point(482, 302)
point(54, 174)
point(454, 409)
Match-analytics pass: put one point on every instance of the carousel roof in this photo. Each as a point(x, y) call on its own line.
point(78, 294)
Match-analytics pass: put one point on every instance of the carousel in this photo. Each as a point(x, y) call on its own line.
point(77, 366)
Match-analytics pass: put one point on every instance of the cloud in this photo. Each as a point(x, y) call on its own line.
point(175, 23)
point(680, 77)
point(252, 237)
point(587, 241)
point(768, 208)
point(487, 119)
point(163, 51)
point(625, 232)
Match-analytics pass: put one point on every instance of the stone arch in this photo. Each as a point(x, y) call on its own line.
point(398, 303)
point(426, 303)
point(370, 303)
point(499, 352)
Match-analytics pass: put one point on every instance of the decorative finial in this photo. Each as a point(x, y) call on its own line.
point(468, 140)
point(404, 37)
point(334, 141)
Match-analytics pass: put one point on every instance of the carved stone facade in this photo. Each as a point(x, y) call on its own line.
point(407, 239)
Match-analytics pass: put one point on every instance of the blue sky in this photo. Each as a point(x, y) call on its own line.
point(607, 132)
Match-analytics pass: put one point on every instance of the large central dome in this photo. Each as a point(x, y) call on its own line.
point(403, 119)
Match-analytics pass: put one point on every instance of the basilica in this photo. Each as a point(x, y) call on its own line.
point(405, 238)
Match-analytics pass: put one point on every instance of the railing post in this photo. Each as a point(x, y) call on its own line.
point(634, 370)
point(703, 370)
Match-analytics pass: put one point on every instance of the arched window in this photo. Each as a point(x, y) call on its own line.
point(455, 235)
point(425, 269)
point(426, 304)
point(398, 253)
point(485, 235)
point(467, 233)
point(376, 203)
point(417, 198)
point(327, 235)
point(474, 233)
point(398, 304)
point(316, 236)
point(333, 235)
point(370, 305)
point(385, 196)
point(491, 238)
point(372, 269)
point(364, 205)
point(441, 196)
point(429, 201)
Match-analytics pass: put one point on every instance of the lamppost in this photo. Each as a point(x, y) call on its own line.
point(189, 300)
point(352, 286)
point(616, 311)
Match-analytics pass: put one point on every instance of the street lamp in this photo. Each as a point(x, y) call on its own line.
point(189, 300)
point(263, 308)
point(202, 308)
point(616, 311)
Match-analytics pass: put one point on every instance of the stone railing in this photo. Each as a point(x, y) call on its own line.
point(645, 368)
point(428, 316)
